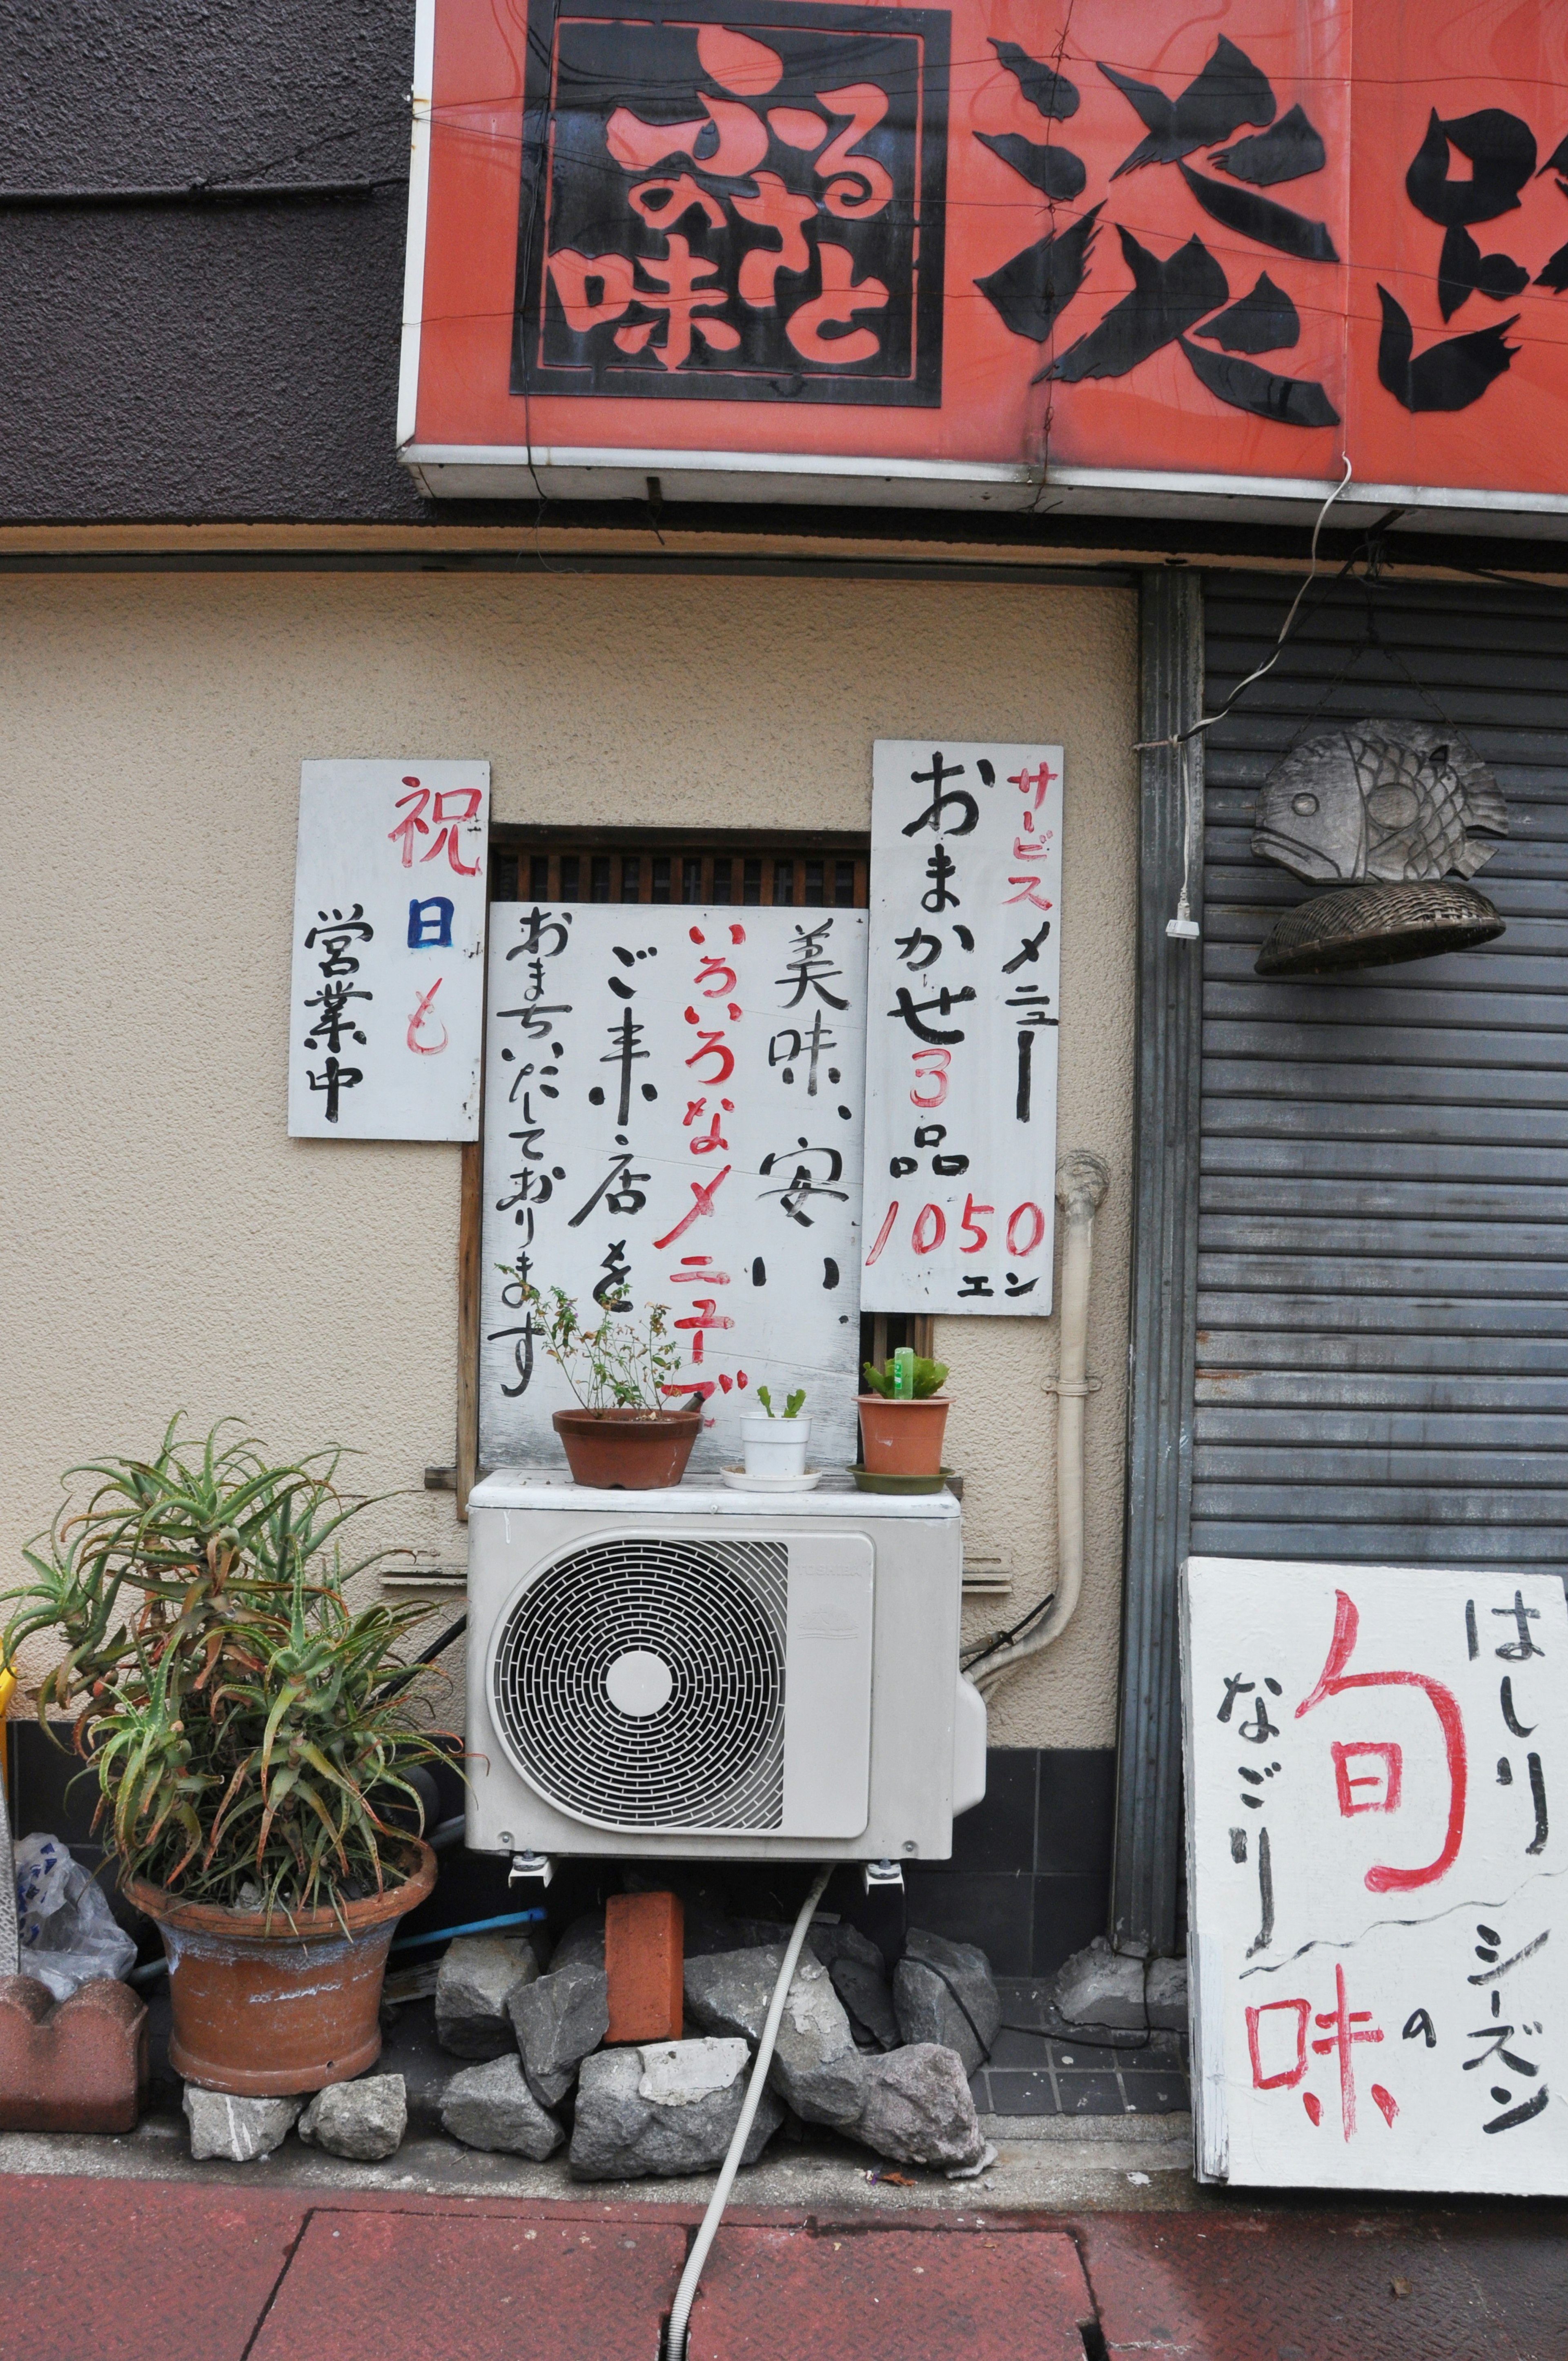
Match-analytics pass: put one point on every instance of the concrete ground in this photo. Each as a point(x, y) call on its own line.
point(1088, 2238)
point(202, 2266)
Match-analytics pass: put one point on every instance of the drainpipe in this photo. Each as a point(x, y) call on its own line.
point(1081, 1182)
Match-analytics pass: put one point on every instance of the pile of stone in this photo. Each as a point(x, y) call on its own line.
point(883, 2063)
point(888, 2066)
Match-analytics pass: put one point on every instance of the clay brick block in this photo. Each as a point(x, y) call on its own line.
point(644, 1961)
point(76, 2065)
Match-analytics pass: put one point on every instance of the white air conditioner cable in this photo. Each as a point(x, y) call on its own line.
point(686, 2294)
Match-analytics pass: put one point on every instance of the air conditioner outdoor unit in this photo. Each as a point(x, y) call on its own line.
point(702, 1672)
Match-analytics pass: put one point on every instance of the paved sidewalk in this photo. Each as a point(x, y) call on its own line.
point(133, 2270)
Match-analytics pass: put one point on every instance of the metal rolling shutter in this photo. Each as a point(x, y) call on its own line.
point(1383, 1291)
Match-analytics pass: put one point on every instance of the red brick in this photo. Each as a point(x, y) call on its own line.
point(642, 1959)
point(78, 2065)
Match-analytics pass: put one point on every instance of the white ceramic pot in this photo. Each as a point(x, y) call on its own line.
point(774, 1447)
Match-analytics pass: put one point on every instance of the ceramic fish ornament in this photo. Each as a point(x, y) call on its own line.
point(1388, 800)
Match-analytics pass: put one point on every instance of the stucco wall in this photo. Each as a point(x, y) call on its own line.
point(168, 1246)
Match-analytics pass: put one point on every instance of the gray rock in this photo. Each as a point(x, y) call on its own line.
point(557, 2022)
point(918, 2108)
point(238, 2129)
point(1166, 1994)
point(583, 1941)
point(1099, 1986)
point(476, 1979)
point(366, 2120)
point(855, 1966)
point(816, 2067)
point(492, 2106)
point(944, 1993)
point(667, 2108)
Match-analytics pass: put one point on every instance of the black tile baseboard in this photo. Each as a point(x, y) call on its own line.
point(1030, 1876)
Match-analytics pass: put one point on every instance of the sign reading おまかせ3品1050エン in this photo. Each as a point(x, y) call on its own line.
point(961, 1026)
point(385, 1013)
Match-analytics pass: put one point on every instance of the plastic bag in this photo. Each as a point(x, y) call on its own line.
point(69, 1934)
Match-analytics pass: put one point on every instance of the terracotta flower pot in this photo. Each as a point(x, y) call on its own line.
point(903, 1438)
point(263, 2012)
point(625, 1450)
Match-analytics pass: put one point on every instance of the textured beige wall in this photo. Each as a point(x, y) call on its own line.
point(168, 1246)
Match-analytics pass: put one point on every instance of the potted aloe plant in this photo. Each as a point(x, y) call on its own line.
point(774, 1445)
point(904, 1415)
point(622, 1436)
point(249, 1731)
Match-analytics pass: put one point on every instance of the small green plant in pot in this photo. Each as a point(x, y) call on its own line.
point(249, 1731)
point(622, 1436)
point(904, 1415)
point(774, 1444)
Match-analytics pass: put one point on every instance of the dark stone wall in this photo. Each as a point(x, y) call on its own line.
point(205, 361)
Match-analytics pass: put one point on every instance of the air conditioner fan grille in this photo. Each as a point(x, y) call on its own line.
point(711, 1617)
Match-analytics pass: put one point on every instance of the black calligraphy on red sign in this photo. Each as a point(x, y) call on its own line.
point(744, 207)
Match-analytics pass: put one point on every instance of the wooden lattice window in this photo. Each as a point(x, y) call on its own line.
point(748, 872)
point(665, 866)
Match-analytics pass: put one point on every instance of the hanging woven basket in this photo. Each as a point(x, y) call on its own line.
point(1377, 925)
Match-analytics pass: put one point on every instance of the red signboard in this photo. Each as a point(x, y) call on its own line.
point(993, 254)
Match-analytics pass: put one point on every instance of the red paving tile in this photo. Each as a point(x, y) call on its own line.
point(891, 2295)
point(1438, 2286)
point(418, 2285)
point(136, 2270)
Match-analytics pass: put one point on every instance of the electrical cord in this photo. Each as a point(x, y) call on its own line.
point(686, 2294)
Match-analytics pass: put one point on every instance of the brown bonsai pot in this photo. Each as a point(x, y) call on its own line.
point(627, 1450)
point(903, 1438)
point(266, 2010)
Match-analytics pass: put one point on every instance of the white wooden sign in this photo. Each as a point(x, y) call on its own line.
point(1376, 1786)
point(961, 1026)
point(387, 1011)
point(673, 1116)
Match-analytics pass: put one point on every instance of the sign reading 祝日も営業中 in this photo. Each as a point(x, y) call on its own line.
point(961, 1026)
point(1376, 1767)
point(386, 1004)
point(673, 1116)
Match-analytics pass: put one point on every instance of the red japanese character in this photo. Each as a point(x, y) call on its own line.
point(713, 1046)
point(840, 301)
point(1334, 1680)
point(704, 1191)
point(1031, 891)
point(1289, 2076)
point(637, 147)
point(871, 188)
point(1037, 781)
point(425, 1049)
point(697, 1270)
point(1343, 2020)
point(680, 271)
point(680, 198)
point(1385, 1782)
point(708, 1142)
point(712, 966)
point(773, 208)
point(573, 277)
point(446, 823)
point(705, 1314)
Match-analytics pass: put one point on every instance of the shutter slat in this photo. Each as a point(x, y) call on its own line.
point(1383, 1309)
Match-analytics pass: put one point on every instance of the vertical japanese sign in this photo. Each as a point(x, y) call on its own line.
point(961, 1026)
point(385, 1011)
point(673, 1116)
point(1375, 1766)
